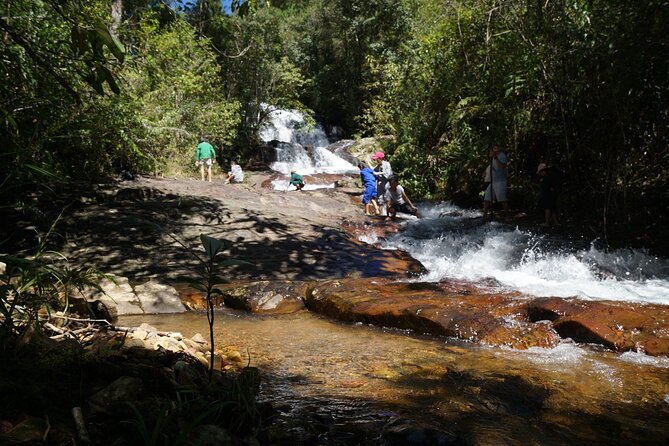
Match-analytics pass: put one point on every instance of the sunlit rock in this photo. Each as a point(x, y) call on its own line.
point(619, 326)
point(433, 309)
point(117, 294)
point(158, 298)
point(265, 296)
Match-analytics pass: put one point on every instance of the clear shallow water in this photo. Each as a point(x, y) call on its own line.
point(455, 244)
point(356, 374)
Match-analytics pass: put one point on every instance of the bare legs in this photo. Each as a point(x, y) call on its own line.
point(487, 206)
point(208, 172)
point(368, 208)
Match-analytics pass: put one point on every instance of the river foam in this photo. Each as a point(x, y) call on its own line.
point(453, 243)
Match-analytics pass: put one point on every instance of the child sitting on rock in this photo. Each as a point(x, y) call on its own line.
point(236, 175)
point(397, 200)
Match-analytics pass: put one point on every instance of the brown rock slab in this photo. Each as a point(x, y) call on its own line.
point(469, 312)
point(620, 326)
point(450, 310)
point(265, 296)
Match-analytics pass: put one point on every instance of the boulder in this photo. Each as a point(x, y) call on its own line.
point(620, 326)
point(158, 298)
point(432, 308)
point(465, 311)
point(277, 297)
point(116, 295)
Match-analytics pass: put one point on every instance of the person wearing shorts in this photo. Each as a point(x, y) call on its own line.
point(383, 171)
point(369, 196)
point(205, 156)
point(397, 200)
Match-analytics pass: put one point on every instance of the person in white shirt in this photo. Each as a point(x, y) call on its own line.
point(397, 200)
point(236, 175)
point(497, 174)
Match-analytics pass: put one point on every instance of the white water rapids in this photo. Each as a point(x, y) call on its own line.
point(453, 243)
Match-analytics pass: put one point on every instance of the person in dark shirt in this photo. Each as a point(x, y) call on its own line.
point(549, 192)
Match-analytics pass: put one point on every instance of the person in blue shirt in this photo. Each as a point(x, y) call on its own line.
point(369, 196)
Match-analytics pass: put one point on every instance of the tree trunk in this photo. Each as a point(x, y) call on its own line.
point(117, 14)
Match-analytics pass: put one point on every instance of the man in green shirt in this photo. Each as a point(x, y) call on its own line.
point(296, 180)
point(205, 155)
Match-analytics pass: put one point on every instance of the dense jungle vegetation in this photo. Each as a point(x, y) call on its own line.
point(93, 87)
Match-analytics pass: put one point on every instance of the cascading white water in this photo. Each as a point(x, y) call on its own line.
point(455, 244)
point(290, 130)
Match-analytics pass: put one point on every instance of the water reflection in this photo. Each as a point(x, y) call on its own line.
point(356, 375)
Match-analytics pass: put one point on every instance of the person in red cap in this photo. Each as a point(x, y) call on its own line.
point(382, 172)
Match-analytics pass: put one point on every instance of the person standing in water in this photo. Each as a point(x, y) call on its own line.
point(383, 172)
point(205, 155)
point(496, 176)
point(549, 191)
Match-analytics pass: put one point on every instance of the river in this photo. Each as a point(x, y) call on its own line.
point(358, 378)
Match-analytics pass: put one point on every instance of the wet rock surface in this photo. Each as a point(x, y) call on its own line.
point(470, 313)
point(431, 308)
point(618, 326)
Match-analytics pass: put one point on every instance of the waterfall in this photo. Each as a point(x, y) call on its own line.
point(300, 147)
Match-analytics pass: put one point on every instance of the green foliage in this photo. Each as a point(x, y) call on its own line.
point(30, 288)
point(173, 97)
point(167, 85)
point(257, 71)
point(230, 404)
point(570, 84)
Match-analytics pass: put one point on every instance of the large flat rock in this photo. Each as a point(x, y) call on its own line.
point(430, 308)
point(475, 314)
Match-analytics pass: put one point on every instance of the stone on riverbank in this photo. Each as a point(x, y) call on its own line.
point(119, 298)
point(463, 311)
point(431, 308)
